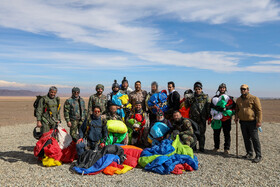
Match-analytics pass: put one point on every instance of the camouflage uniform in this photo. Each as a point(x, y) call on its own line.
point(110, 116)
point(138, 96)
point(199, 112)
point(185, 131)
point(74, 112)
point(98, 101)
point(48, 112)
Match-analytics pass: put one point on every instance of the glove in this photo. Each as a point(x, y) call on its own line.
point(101, 145)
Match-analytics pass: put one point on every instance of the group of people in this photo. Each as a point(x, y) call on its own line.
point(140, 111)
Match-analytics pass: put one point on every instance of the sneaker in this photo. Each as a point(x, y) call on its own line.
point(248, 156)
point(226, 152)
point(215, 150)
point(257, 159)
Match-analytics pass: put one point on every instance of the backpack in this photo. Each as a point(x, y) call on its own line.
point(195, 128)
point(36, 103)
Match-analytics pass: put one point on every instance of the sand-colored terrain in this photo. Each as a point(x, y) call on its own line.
point(19, 110)
point(19, 167)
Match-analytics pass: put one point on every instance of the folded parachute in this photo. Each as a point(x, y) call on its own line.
point(158, 130)
point(168, 157)
point(112, 159)
point(159, 100)
point(55, 147)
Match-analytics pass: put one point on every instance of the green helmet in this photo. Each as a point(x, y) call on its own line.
point(76, 89)
point(99, 86)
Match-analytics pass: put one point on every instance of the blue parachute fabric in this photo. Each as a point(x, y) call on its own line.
point(159, 129)
point(117, 101)
point(157, 98)
point(166, 164)
point(102, 163)
point(165, 147)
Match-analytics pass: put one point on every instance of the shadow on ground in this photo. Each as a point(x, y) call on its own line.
point(26, 148)
point(16, 156)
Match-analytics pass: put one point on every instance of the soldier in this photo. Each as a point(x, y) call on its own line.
point(124, 87)
point(47, 112)
point(154, 89)
point(249, 115)
point(138, 95)
point(173, 101)
point(97, 99)
point(200, 111)
point(112, 113)
point(183, 128)
point(93, 132)
point(74, 112)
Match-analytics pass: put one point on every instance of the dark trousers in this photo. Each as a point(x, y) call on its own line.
point(250, 135)
point(226, 126)
point(202, 129)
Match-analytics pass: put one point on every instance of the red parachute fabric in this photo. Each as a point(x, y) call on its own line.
point(185, 112)
point(132, 155)
point(41, 142)
point(53, 150)
point(69, 154)
point(179, 168)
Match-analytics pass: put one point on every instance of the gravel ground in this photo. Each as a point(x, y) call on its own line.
point(19, 167)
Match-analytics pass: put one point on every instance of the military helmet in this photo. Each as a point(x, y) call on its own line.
point(76, 89)
point(37, 135)
point(115, 84)
point(99, 86)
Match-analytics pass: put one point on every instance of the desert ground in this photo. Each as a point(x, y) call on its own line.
point(19, 167)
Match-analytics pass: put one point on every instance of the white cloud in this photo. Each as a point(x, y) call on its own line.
point(8, 84)
point(118, 25)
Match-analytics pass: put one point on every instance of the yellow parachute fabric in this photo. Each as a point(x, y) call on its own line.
point(48, 162)
point(124, 170)
point(125, 101)
point(116, 126)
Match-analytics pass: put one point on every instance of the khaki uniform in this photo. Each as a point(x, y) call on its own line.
point(48, 112)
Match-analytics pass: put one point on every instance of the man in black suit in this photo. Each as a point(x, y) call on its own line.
point(173, 101)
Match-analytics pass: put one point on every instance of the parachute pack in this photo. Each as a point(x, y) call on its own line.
point(36, 102)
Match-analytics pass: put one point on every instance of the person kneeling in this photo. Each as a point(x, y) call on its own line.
point(183, 128)
point(92, 133)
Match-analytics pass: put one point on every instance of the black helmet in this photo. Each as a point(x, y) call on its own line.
point(37, 135)
point(124, 80)
point(115, 84)
point(223, 85)
point(197, 84)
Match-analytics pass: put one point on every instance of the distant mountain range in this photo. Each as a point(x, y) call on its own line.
point(6, 92)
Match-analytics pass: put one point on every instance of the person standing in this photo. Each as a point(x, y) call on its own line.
point(74, 112)
point(200, 111)
point(225, 118)
point(154, 89)
point(249, 115)
point(47, 112)
point(124, 87)
point(138, 95)
point(98, 99)
point(173, 100)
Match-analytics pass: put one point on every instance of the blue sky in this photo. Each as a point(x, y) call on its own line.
point(83, 43)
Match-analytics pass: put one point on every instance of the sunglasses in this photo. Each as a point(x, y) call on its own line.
point(242, 89)
point(96, 111)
